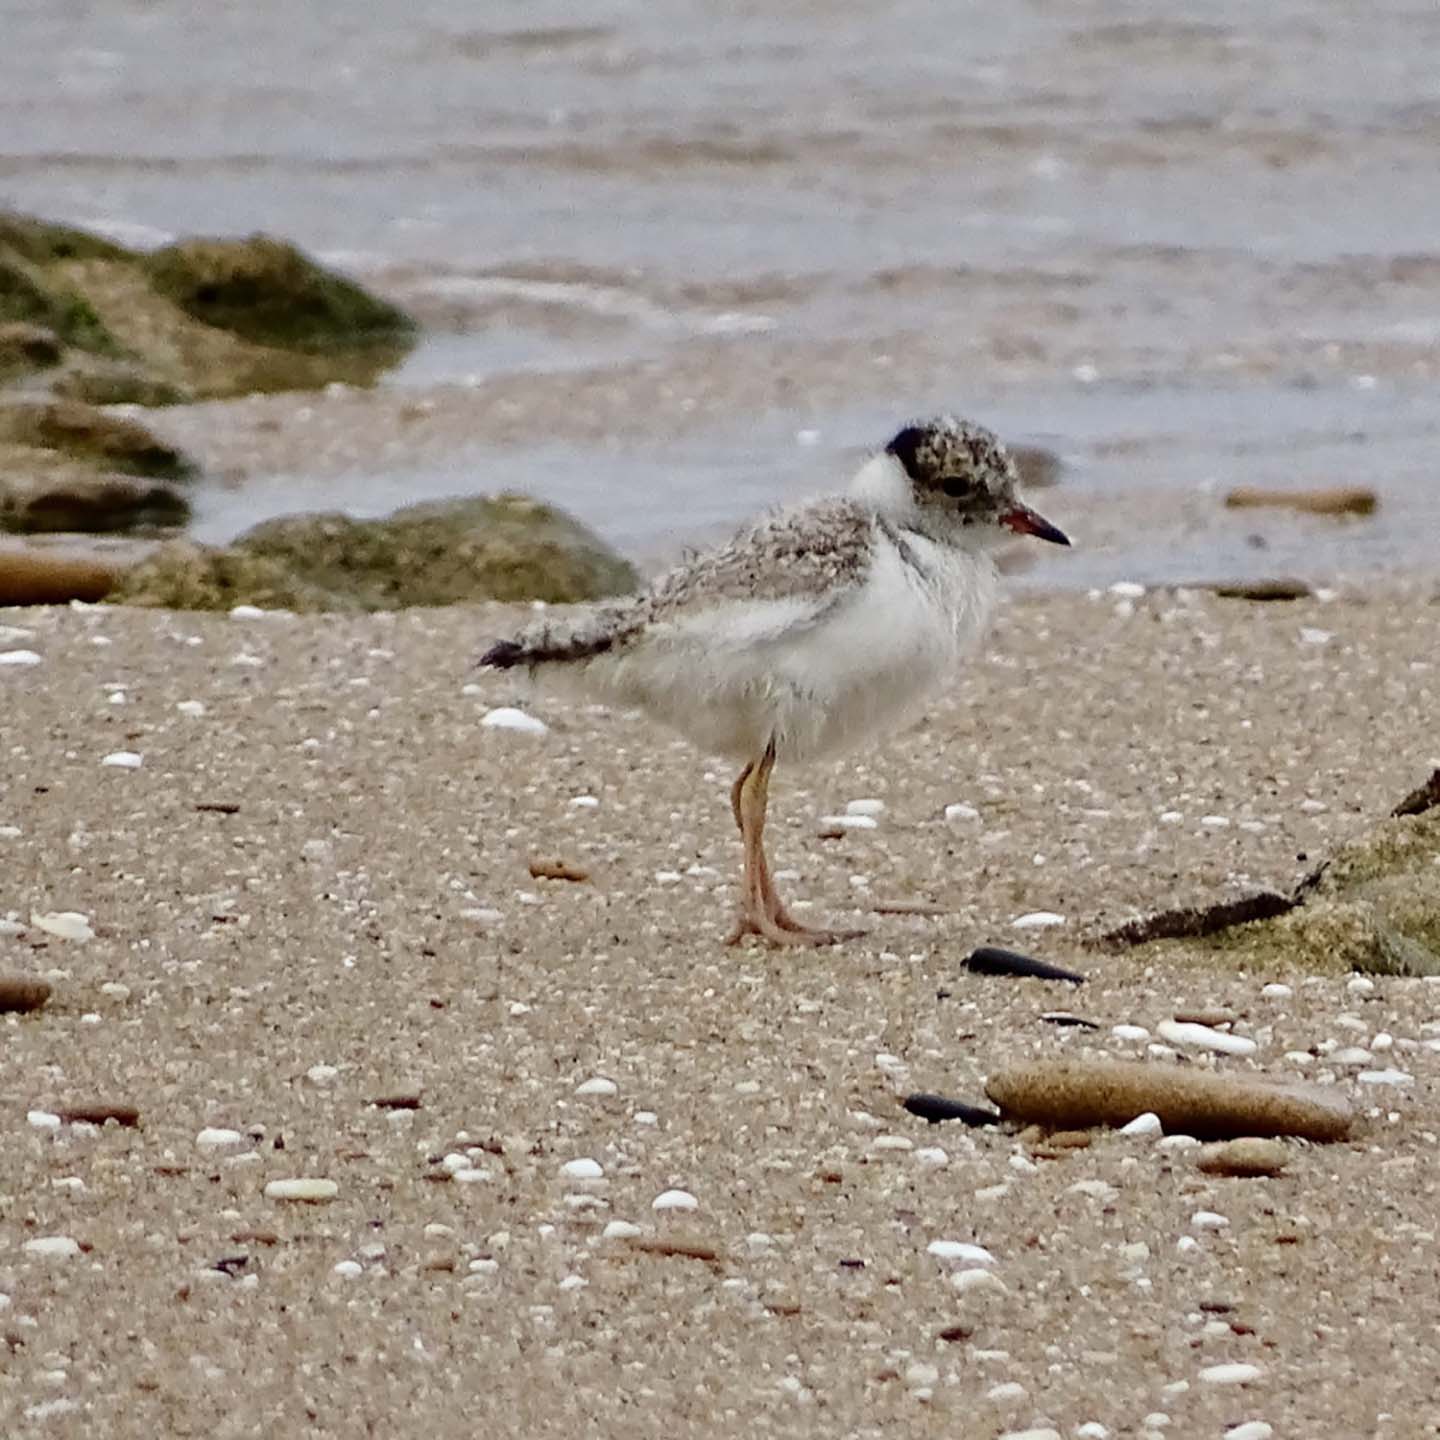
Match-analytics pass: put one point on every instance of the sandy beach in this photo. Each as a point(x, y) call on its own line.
point(314, 892)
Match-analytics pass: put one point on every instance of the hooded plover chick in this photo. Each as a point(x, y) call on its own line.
point(814, 629)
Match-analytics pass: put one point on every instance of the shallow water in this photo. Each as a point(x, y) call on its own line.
point(1189, 253)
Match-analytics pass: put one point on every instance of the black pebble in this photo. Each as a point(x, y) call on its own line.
point(990, 960)
point(936, 1108)
point(1063, 1017)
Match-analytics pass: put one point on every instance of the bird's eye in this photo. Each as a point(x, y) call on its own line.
point(955, 486)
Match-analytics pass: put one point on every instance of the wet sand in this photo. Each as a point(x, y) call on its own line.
point(329, 868)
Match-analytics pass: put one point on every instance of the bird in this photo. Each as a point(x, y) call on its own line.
point(819, 626)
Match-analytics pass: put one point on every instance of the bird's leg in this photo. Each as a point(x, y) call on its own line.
point(761, 911)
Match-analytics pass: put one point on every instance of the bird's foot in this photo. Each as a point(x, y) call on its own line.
point(782, 929)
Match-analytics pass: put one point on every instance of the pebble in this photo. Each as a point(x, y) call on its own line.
point(1250, 1430)
point(1246, 1157)
point(892, 1142)
point(1146, 1124)
point(1202, 1037)
point(848, 822)
point(918, 1373)
point(1360, 985)
point(215, 1138)
point(1044, 1432)
point(597, 1085)
point(246, 612)
point(932, 1155)
point(193, 708)
point(316, 1192)
point(1091, 1430)
point(992, 960)
point(960, 1250)
point(936, 1108)
point(1208, 1220)
point(1037, 920)
point(675, 1200)
point(1130, 1032)
point(123, 760)
point(1385, 1077)
point(472, 1175)
point(865, 807)
point(508, 718)
point(621, 1230)
point(321, 1074)
point(42, 1119)
point(20, 995)
point(976, 1280)
point(1237, 1374)
point(1074, 1094)
point(19, 657)
point(1276, 991)
point(64, 925)
point(1350, 1055)
point(582, 1169)
point(961, 814)
point(350, 1269)
point(1007, 1390)
point(53, 1247)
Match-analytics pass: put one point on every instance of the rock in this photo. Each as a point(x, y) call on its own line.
point(100, 380)
point(25, 347)
point(98, 1112)
point(502, 548)
point(63, 924)
point(314, 1192)
point(30, 576)
point(1237, 1374)
point(1339, 500)
point(90, 504)
point(1073, 1094)
point(1247, 1157)
point(19, 994)
point(992, 960)
point(93, 437)
point(54, 1247)
point(1422, 798)
point(1202, 1037)
point(1263, 590)
point(936, 1108)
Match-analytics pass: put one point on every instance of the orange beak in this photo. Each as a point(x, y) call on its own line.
point(1024, 521)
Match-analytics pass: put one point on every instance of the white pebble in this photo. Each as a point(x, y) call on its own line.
point(508, 718)
point(892, 1142)
point(123, 760)
point(584, 802)
point(1360, 985)
point(65, 925)
point(848, 822)
point(1202, 1037)
point(1037, 920)
point(961, 814)
point(1385, 1077)
point(573, 1282)
point(1043, 1432)
point(1314, 807)
point(1146, 1124)
point(1171, 817)
point(1095, 1189)
point(1215, 822)
point(675, 1200)
point(976, 1280)
point(193, 708)
point(1350, 1055)
point(1091, 1430)
point(53, 1247)
point(1127, 590)
point(597, 1085)
point(1230, 1374)
point(19, 657)
point(321, 1074)
point(932, 1155)
point(621, 1230)
point(470, 1175)
point(1186, 1243)
point(246, 612)
point(1208, 1220)
point(961, 1251)
point(1250, 1430)
point(1006, 1391)
point(864, 807)
point(315, 1191)
point(1384, 1040)
point(350, 1269)
point(1309, 635)
point(214, 1138)
point(1277, 992)
point(1129, 1032)
point(918, 1373)
point(645, 1117)
point(582, 1169)
point(42, 1120)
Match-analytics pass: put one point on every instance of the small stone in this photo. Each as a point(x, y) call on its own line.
point(1230, 1374)
point(977, 1281)
point(919, 1372)
point(675, 1200)
point(1043, 1432)
point(1146, 1124)
point(993, 960)
point(246, 612)
point(508, 718)
point(321, 1075)
point(350, 1269)
point(848, 822)
point(1091, 1430)
point(123, 760)
point(621, 1230)
point(1385, 1077)
point(471, 1175)
point(583, 1169)
point(193, 708)
point(961, 814)
point(598, 1085)
point(1038, 920)
point(53, 1247)
point(42, 1120)
point(1135, 1033)
point(1127, 590)
point(1208, 1220)
point(314, 1192)
point(214, 1138)
point(20, 995)
point(1250, 1430)
point(64, 925)
point(892, 1142)
point(960, 1251)
point(19, 657)
point(1276, 991)
point(1246, 1157)
point(865, 807)
point(1360, 985)
point(1203, 1037)
point(932, 1155)
point(1005, 1392)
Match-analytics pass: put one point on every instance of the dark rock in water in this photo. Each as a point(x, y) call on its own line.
point(1338, 500)
point(270, 293)
point(92, 437)
point(34, 576)
point(991, 960)
point(501, 548)
point(91, 504)
point(936, 1108)
point(1263, 590)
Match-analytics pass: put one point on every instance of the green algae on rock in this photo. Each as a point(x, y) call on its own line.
point(506, 547)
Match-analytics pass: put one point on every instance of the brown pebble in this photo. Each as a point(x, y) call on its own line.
point(558, 870)
point(1213, 1018)
point(98, 1114)
point(685, 1249)
point(1266, 590)
point(31, 576)
point(21, 994)
point(1073, 1094)
point(1339, 500)
point(255, 1237)
point(1246, 1157)
point(1068, 1140)
point(397, 1102)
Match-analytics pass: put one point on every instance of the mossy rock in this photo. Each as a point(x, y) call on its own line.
point(29, 296)
point(42, 242)
point(92, 437)
point(69, 498)
point(26, 347)
point(270, 293)
point(441, 553)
